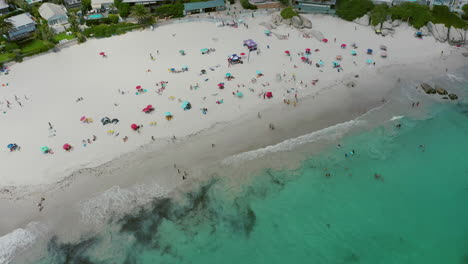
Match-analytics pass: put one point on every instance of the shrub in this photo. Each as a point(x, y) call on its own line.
point(105, 31)
point(285, 2)
point(247, 5)
point(170, 10)
point(288, 13)
point(441, 14)
point(417, 15)
point(379, 14)
point(113, 19)
point(10, 46)
point(124, 9)
point(352, 9)
point(465, 9)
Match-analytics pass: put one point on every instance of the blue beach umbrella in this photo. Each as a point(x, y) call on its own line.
point(353, 52)
point(258, 72)
point(204, 50)
point(267, 32)
point(10, 146)
point(335, 63)
point(307, 55)
point(185, 105)
point(321, 63)
point(239, 94)
point(228, 74)
point(369, 61)
point(167, 114)
point(369, 51)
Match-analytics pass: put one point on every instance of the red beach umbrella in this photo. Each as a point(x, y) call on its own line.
point(242, 54)
point(303, 58)
point(67, 146)
point(287, 52)
point(343, 45)
point(307, 50)
point(325, 40)
point(83, 118)
point(149, 107)
point(269, 94)
point(134, 126)
point(138, 87)
point(102, 53)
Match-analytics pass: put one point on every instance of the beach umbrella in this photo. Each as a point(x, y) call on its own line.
point(343, 45)
point(185, 104)
point(204, 50)
point(369, 51)
point(258, 72)
point(45, 149)
point(307, 50)
point(167, 114)
point(83, 118)
point(242, 54)
point(325, 40)
point(134, 126)
point(149, 106)
point(303, 58)
point(138, 87)
point(67, 146)
point(228, 75)
point(105, 120)
point(335, 63)
point(369, 61)
point(307, 55)
point(239, 94)
point(287, 52)
point(321, 63)
point(220, 85)
point(102, 53)
point(338, 57)
point(353, 52)
point(383, 54)
point(10, 146)
point(267, 32)
point(269, 94)
point(182, 52)
point(185, 67)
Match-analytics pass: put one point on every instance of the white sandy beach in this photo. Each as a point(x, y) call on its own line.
point(53, 82)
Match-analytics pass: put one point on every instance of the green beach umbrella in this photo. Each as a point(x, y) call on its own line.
point(44, 149)
point(258, 72)
point(204, 50)
point(239, 94)
point(228, 74)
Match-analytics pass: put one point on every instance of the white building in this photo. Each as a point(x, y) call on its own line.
point(55, 15)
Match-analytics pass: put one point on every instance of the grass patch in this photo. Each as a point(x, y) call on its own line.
point(63, 36)
point(441, 15)
point(6, 57)
point(288, 13)
point(32, 46)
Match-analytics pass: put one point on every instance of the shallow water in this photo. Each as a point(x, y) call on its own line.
point(393, 201)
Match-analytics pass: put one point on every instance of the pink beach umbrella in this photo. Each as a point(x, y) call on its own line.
point(67, 146)
point(269, 94)
point(134, 127)
point(307, 50)
point(138, 87)
point(324, 40)
point(102, 53)
point(83, 118)
point(343, 46)
point(242, 54)
point(287, 52)
point(303, 58)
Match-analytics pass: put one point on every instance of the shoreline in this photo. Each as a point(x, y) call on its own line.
point(62, 198)
point(334, 103)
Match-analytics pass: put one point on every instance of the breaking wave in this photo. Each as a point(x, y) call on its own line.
point(19, 240)
point(330, 133)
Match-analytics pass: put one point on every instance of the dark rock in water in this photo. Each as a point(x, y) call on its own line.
point(441, 90)
point(445, 97)
point(453, 96)
point(427, 88)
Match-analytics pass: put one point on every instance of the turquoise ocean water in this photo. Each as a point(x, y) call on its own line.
point(393, 201)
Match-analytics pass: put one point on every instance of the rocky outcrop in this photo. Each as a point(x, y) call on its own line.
point(440, 90)
point(425, 31)
point(387, 25)
point(396, 23)
point(317, 35)
point(439, 31)
point(287, 21)
point(296, 21)
point(456, 35)
point(306, 22)
point(364, 20)
point(453, 96)
point(276, 19)
point(427, 88)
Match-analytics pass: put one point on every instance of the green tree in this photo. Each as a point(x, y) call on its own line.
point(5, 26)
point(73, 20)
point(117, 3)
point(379, 14)
point(124, 9)
point(23, 5)
point(352, 9)
point(417, 15)
point(85, 6)
point(288, 13)
point(142, 15)
point(465, 9)
point(44, 32)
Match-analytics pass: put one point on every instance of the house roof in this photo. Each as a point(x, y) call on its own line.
point(202, 5)
point(21, 20)
point(49, 10)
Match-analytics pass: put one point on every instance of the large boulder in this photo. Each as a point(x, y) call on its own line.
point(440, 90)
point(317, 35)
point(439, 31)
point(456, 35)
point(276, 19)
point(396, 23)
point(364, 20)
point(427, 88)
point(387, 25)
point(386, 32)
point(296, 21)
point(377, 27)
point(453, 96)
point(425, 31)
point(306, 22)
point(287, 21)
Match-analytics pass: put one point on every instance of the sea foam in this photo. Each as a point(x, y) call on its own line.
point(329, 133)
point(19, 239)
